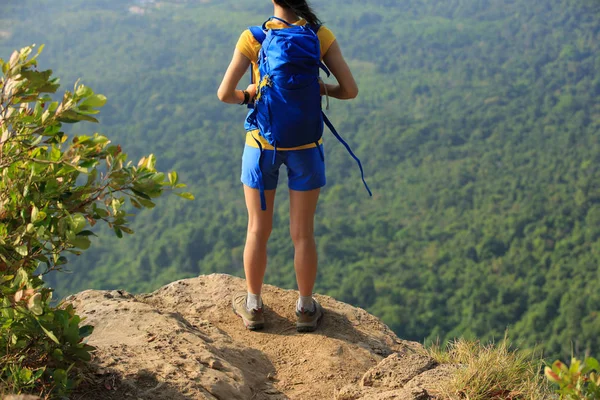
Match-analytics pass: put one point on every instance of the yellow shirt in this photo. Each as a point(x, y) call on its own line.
point(249, 47)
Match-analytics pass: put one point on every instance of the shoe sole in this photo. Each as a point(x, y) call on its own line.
point(306, 327)
point(251, 326)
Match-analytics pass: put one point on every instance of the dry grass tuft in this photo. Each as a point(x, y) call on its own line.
point(491, 372)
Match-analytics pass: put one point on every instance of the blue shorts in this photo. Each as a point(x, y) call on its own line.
point(305, 168)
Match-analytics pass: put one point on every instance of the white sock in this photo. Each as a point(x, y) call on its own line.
point(305, 303)
point(253, 301)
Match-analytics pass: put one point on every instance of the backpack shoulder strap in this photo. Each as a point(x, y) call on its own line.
point(258, 33)
point(315, 28)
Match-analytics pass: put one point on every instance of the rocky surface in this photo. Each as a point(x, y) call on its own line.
point(184, 342)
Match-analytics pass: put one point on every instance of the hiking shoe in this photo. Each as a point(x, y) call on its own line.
point(308, 320)
point(253, 319)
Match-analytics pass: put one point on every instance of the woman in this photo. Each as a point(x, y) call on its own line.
point(306, 172)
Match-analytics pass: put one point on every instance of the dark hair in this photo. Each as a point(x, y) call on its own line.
point(302, 9)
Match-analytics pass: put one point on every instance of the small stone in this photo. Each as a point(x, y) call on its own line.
point(215, 364)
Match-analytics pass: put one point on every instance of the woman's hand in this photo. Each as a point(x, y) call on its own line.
point(322, 86)
point(251, 89)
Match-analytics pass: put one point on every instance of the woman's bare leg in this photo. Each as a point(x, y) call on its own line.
point(303, 205)
point(260, 224)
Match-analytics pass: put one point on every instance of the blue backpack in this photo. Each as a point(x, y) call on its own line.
point(287, 108)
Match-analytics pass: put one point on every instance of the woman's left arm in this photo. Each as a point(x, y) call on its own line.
point(227, 92)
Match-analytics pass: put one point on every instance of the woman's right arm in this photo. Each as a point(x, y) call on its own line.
point(227, 92)
point(346, 87)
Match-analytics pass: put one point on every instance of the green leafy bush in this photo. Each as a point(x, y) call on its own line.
point(51, 192)
point(580, 380)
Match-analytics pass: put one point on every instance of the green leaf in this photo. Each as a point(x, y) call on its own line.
point(48, 88)
point(147, 203)
point(575, 364)
point(81, 242)
point(42, 258)
point(45, 116)
point(40, 216)
point(60, 376)
point(140, 194)
point(72, 334)
point(34, 213)
point(70, 116)
point(173, 178)
point(96, 100)
point(86, 233)
point(89, 164)
point(6, 309)
point(86, 331)
point(34, 304)
point(49, 334)
point(551, 375)
point(87, 110)
point(39, 373)
point(62, 260)
point(102, 213)
point(25, 375)
point(53, 106)
point(22, 250)
point(158, 177)
point(58, 355)
point(81, 139)
point(21, 278)
point(127, 230)
point(118, 232)
point(592, 363)
point(83, 91)
point(186, 195)
point(83, 354)
point(78, 223)
point(99, 139)
point(37, 77)
point(55, 154)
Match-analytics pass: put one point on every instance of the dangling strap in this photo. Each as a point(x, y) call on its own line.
point(261, 182)
point(326, 94)
point(320, 151)
point(332, 129)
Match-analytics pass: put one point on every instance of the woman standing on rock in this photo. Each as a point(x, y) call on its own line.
point(264, 154)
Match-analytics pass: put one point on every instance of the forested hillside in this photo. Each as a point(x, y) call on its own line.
point(478, 123)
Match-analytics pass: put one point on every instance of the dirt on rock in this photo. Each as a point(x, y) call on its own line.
point(184, 342)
